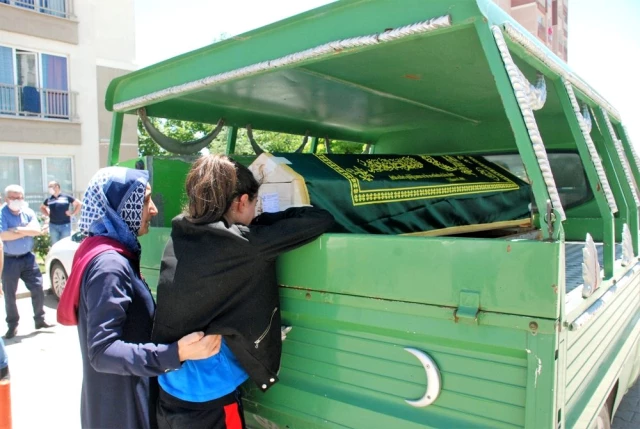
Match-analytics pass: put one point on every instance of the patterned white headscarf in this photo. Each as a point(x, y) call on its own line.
point(113, 204)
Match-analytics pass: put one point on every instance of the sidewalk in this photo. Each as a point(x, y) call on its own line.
point(628, 414)
point(46, 370)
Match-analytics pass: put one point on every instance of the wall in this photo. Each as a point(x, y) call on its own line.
point(106, 47)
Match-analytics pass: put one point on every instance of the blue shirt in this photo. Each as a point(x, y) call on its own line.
point(57, 208)
point(207, 379)
point(8, 220)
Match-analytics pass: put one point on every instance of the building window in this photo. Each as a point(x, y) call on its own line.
point(554, 12)
point(59, 169)
point(9, 171)
point(34, 84)
point(50, 7)
point(34, 173)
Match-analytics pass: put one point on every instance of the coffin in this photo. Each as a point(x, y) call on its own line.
point(395, 194)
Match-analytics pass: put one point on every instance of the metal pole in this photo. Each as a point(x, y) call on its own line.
point(519, 128)
point(116, 138)
point(232, 136)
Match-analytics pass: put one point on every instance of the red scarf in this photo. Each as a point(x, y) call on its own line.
point(89, 249)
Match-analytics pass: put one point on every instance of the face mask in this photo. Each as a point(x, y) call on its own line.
point(51, 191)
point(16, 205)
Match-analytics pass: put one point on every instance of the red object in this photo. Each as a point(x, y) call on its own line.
point(232, 418)
point(550, 31)
point(5, 404)
point(89, 249)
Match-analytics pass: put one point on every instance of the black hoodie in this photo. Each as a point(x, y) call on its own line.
point(221, 279)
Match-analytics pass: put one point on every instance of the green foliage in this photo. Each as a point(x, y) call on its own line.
point(41, 245)
point(268, 140)
point(42, 242)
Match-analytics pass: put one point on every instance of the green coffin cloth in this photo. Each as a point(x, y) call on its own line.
point(401, 194)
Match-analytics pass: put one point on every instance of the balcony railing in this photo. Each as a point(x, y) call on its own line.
point(59, 8)
point(29, 101)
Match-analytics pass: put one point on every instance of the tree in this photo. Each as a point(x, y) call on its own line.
point(268, 140)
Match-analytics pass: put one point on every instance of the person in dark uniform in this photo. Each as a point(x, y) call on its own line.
point(59, 208)
point(18, 226)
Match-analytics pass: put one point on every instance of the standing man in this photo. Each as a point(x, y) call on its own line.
point(59, 208)
point(18, 226)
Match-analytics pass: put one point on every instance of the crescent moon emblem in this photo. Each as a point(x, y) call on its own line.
point(434, 385)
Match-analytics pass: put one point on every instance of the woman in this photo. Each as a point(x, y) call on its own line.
point(218, 274)
point(113, 307)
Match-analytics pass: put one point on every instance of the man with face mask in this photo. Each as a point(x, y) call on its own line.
point(59, 208)
point(18, 226)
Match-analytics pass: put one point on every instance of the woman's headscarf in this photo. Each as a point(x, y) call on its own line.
point(112, 205)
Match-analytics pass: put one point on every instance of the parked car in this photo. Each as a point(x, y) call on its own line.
point(59, 260)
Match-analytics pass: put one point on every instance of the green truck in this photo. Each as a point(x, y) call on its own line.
point(531, 326)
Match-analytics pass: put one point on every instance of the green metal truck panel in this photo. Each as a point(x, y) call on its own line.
point(533, 327)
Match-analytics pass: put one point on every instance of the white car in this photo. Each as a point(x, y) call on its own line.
point(59, 260)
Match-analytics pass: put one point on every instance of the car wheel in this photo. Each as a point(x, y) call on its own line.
point(58, 277)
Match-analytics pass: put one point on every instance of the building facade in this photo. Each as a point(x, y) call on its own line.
point(56, 59)
point(546, 19)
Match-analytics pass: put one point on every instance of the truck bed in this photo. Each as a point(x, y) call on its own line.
point(573, 263)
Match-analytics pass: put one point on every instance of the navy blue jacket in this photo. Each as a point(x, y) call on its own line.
point(115, 319)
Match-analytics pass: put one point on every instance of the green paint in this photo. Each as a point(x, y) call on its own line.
point(167, 186)
point(630, 212)
point(232, 135)
point(518, 126)
point(314, 144)
point(356, 301)
point(627, 187)
point(607, 226)
point(116, 138)
point(626, 143)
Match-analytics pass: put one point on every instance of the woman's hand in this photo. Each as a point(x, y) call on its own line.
point(197, 346)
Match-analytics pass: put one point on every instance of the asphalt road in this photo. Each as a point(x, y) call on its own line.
point(46, 375)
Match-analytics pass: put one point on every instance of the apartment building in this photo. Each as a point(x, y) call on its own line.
point(546, 19)
point(56, 59)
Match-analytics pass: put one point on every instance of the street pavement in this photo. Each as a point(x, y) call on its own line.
point(46, 374)
point(628, 414)
point(46, 370)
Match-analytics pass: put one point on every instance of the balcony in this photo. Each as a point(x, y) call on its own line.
point(47, 19)
point(59, 8)
point(32, 102)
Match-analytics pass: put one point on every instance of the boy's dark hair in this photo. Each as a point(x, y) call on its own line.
point(213, 182)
